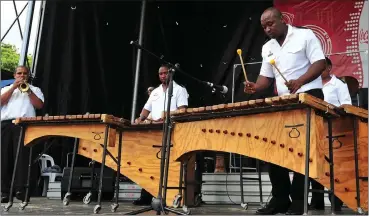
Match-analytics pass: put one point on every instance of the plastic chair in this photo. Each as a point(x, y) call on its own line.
point(47, 161)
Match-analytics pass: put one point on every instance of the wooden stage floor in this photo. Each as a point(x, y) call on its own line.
point(44, 206)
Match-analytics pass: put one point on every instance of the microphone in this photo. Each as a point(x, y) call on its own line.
point(222, 89)
point(134, 43)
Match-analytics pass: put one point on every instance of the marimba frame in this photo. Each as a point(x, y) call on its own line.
point(66, 199)
point(326, 115)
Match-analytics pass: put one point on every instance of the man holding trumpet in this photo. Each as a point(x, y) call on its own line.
point(295, 59)
point(16, 102)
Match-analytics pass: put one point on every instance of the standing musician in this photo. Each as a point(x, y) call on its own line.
point(155, 104)
point(154, 108)
point(336, 92)
point(15, 104)
point(300, 58)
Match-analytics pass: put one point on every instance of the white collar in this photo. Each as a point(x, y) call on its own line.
point(332, 81)
point(289, 34)
point(174, 85)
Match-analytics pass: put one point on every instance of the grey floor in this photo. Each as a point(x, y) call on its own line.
point(44, 206)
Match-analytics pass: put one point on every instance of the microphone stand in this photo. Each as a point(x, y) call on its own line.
point(158, 204)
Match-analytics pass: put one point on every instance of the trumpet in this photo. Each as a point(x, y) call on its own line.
point(23, 87)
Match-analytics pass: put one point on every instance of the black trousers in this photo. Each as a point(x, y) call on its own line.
point(9, 143)
point(279, 176)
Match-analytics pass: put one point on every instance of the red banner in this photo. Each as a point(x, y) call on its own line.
point(342, 28)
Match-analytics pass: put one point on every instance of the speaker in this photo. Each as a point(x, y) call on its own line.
point(84, 181)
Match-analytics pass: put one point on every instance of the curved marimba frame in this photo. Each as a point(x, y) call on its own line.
point(138, 160)
point(274, 130)
point(277, 130)
point(94, 128)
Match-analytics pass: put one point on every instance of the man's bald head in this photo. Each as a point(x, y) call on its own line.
point(273, 12)
point(272, 22)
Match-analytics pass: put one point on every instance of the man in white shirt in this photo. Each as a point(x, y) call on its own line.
point(299, 56)
point(337, 93)
point(154, 108)
point(15, 104)
point(156, 104)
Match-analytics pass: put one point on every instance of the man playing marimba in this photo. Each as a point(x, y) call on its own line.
point(154, 108)
point(298, 55)
point(15, 104)
point(155, 104)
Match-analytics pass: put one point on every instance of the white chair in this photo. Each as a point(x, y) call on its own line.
point(47, 161)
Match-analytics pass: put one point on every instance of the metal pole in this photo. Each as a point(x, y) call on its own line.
point(138, 61)
point(230, 153)
point(19, 25)
point(11, 26)
point(233, 82)
point(307, 157)
point(38, 38)
point(27, 32)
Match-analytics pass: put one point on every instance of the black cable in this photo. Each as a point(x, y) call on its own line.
point(227, 190)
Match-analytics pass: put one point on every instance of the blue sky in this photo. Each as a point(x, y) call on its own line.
point(7, 18)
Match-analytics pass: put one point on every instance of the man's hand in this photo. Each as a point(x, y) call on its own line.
point(250, 87)
point(17, 82)
point(294, 85)
point(138, 120)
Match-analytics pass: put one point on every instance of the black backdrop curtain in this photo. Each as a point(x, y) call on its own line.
point(86, 63)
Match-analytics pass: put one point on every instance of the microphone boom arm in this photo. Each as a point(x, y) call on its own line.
point(222, 89)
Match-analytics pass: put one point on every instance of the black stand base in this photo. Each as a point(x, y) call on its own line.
point(158, 205)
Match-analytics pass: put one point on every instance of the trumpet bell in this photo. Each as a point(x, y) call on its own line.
point(24, 87)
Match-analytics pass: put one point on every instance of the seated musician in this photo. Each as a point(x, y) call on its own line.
point(155, 107)
point(336, 92)
point(299, 57)
point(15, 104)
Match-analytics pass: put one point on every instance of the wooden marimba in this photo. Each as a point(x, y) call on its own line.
point(102, 130)
point(133, 148)
point(290, 131)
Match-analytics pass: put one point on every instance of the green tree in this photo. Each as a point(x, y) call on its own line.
point(10, 57)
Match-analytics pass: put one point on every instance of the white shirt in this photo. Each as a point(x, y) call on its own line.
point(155, 103)
point(336, 92)
point(299, 51)
point(19, 104)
